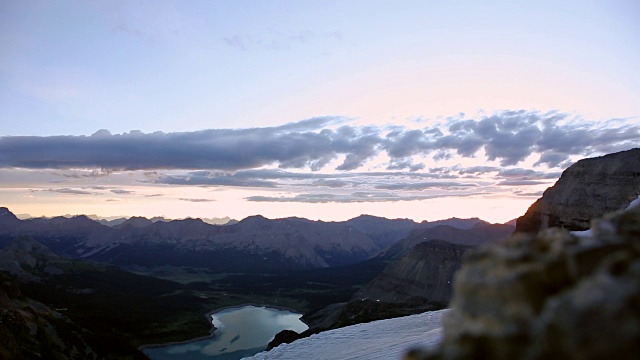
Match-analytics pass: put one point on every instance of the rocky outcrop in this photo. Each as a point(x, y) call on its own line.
point(553, 295)
point(587, 190)
point(283, 337)
point(426, 272)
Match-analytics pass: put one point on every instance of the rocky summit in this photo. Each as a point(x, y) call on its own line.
point(554, 295)
point(586, 190)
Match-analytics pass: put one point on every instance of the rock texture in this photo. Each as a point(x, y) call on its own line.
point(587, 190)
point(551, 295)
point(426, 272)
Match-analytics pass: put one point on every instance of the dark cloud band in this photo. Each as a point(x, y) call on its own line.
point(508, 136)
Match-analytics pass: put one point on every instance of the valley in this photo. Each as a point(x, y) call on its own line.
point(152, 283)
point(113, 290)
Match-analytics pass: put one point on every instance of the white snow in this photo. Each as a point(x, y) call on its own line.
point(635, 203)
point(588, 233)
point(583, 234)
point(384, 340)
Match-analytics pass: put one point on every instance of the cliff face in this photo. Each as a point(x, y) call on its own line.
point(549, 296)
point(425, 272)
point(588, 189)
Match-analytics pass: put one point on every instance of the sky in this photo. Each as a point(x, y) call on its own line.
point(318, 109)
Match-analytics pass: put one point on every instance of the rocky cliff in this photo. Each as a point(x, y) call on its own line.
point(588, 189)
point(426, 272)
point(553, 295)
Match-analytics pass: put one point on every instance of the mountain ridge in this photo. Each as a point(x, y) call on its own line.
point(271, 243)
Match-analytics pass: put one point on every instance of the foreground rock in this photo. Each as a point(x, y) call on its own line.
point(554, 295)
point(587, 190)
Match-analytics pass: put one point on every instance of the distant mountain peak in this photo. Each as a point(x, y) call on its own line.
point(135, 222)
point(7, 217)
point(254, 219)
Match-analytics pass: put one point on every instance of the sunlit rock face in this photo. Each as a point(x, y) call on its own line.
point(588, 189)
point(550, 295)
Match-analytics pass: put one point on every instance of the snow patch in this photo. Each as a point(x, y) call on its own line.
point(634, 204)
point(382, 340)
point(582, 234)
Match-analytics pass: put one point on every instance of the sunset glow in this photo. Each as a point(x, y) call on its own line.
point(325, 110)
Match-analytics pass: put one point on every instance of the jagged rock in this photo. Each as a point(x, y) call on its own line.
point(283, 337)
point(554, 295)
point(587, 190)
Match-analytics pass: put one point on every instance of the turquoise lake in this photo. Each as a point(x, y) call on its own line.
point(240, 332)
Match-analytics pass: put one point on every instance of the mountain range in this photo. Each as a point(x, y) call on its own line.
point(255, 244)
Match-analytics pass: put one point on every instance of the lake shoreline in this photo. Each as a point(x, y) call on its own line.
point(213, 328)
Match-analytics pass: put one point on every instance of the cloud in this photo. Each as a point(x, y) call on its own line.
point(122, 192)
point(99, 187)
point(425, 186)
point(478, 170)
point(279, 40)
point(527, 174)
point(535, 194)
point(520, 182)
point(79, 174)
point(331, 183)
point(207, 180)
point(196, 200)
point(508, 137)
point(67, 191)
point(404, 163)
point(356, 197)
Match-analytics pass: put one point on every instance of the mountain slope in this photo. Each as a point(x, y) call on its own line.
point(424, 274)
point(29, 260)
point(480, 234)
point(31, 330)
